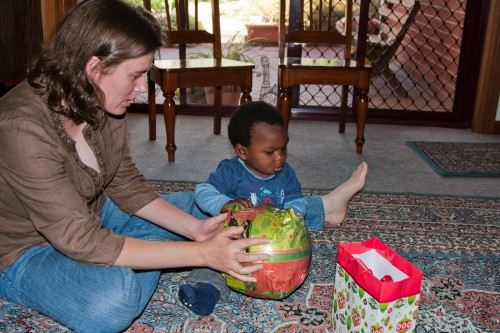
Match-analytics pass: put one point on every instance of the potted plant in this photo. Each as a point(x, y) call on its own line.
point(236, 48)
point(263, 23)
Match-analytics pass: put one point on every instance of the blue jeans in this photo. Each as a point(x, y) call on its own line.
point(314, 219)
point(88, 298)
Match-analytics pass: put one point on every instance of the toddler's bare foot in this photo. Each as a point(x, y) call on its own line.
point(335, 203)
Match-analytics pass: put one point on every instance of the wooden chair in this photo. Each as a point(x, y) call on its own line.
point(183, 28)
point(314, 23)
point(390, 28)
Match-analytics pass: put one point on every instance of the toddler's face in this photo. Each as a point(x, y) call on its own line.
point(266, 153)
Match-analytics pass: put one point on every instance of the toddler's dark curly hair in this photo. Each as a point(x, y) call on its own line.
point(246, 116)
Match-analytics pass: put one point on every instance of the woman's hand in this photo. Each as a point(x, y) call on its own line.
point(209, 227)
point(226, 255)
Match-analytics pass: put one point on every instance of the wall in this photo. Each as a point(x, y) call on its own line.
point(52, 12)
point(20, 36)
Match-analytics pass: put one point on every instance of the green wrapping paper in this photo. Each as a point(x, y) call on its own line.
point(289, 249)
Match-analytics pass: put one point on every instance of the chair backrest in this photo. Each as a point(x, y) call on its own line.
point(314, 22)
point(183, 24)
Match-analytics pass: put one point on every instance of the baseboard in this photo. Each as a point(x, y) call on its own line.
point(388, 117)
point(496, 127)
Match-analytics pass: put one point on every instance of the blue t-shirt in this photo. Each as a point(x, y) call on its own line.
point(233, 180)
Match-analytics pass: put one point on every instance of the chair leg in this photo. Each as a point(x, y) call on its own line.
point(343, 109)
point(285, 104)
point(218, 109)
point(245, 95)
point(152, 109)
point(361, 110)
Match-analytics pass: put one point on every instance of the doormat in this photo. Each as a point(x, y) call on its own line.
point(460, 159)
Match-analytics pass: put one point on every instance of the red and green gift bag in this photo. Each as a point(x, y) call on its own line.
point(376, 290)
point(289, 249)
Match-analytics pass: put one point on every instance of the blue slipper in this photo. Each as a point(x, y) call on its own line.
point(200, 299)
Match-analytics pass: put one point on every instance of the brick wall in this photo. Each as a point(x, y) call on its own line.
point(433, 47)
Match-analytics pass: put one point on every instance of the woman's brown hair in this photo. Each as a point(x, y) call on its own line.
point(112, 30)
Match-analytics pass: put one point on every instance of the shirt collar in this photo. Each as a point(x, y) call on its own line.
point(251, 172)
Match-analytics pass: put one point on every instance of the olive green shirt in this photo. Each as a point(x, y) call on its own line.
point(48, 196)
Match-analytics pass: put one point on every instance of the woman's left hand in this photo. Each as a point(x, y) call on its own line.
point(209, 227)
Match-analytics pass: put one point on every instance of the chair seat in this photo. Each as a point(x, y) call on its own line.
point(296, 71)
point(321, 63)
point(200, 63)
point(204, 72)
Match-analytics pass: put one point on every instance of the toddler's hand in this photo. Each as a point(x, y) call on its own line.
point(239, 202)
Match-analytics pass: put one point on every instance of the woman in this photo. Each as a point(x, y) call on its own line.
point(76, 242)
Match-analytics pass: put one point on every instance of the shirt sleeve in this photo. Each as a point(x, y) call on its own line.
point(294, 196)
point(219, 188)
point(293, 189)
point(209, 199)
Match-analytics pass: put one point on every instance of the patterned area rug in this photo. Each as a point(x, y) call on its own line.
point(455, 241)
point(459, 158)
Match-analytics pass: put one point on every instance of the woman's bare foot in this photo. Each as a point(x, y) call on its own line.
point(335, 203)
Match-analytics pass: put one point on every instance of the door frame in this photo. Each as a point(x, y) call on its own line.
point(486, 105)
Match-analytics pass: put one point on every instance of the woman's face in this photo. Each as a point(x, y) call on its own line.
point(266, 153)
point(122, 83)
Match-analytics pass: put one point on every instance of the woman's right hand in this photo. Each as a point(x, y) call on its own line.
point(226, 255)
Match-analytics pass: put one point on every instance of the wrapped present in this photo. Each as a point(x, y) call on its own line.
point(376, 290)
point(289, 249)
